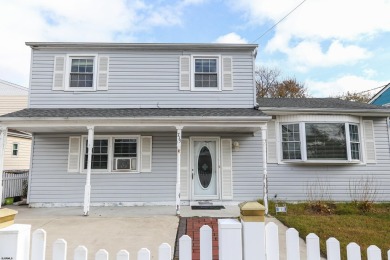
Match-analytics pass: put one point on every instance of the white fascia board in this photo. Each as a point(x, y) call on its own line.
point(324, 111)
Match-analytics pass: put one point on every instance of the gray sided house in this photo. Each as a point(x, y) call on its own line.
point(326, 147)
point(142, 124)
point(179, 124)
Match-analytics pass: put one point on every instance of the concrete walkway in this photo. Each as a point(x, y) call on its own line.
point(110, 228)
point(116, 228)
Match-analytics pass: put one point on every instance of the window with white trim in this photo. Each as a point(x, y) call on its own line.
point(81, 73)
point(312, 141)
point(15, 149)
point(113, 154)
point(206, 73)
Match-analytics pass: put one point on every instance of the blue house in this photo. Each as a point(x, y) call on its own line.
point(382, 98)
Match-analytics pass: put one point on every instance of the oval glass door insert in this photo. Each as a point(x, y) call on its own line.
point(205, 167)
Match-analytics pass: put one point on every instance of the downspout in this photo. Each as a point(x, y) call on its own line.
point(254, 54)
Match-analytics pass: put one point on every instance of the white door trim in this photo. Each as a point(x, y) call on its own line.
point(218, 167)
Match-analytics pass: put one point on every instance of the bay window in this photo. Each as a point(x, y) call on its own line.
point(314, 141)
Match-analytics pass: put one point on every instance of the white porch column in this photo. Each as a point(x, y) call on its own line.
point(265, 180)
point(3, 141)
point(178, 144)
point(87, 193)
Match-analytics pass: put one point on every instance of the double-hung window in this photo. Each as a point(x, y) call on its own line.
point(314, 141)
point(81, 73)
point(206, 73)
point(113, 154)
point(15, 149)
point(99, 154)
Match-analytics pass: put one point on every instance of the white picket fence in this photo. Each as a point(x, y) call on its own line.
point(271, 248)
point(13, 183)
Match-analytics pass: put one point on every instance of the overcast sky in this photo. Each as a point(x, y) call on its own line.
point(330, 45)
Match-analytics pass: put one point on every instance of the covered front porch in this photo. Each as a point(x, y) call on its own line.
point(163, 158)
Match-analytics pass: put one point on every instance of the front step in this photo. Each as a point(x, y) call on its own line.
point(205, 203)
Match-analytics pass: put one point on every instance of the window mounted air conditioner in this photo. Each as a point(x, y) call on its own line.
point(125, 164)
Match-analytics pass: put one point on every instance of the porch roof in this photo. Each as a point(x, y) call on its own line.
point(37, 120)
point(135, 113)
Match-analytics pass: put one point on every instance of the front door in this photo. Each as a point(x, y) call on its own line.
point(204, 168)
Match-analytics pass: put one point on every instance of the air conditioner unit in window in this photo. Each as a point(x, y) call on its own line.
point(125, 164)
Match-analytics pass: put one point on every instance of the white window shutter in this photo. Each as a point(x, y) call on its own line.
point(369, 141)
point(185, 169)
point(271, 142)
point(74, 154)
point(227, 73)
point(227, 169)
point(185, 83)
point(146, 154)
point(102, 78)
point(59, 73)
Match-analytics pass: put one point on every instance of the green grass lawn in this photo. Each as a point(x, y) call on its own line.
point(345, 222)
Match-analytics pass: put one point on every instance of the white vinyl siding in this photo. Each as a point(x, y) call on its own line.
point(185, 169)
point(146, 154)
point(227, 169)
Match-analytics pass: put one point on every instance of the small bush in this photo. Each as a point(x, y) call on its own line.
point(363, 193)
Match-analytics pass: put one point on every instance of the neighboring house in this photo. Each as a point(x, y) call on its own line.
point(326, 147)
point(171, 124)
point(174, 124)
point(18, 146)
point(382, 98)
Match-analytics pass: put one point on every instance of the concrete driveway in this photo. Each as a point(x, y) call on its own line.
point(110, 228)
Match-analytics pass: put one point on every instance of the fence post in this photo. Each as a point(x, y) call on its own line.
point(59, 249)
point(333, 249)
point(102, 254)
point(353, 252)
point(206, 243)
point(15, 242)
point(185, 248)
point(374, 253)
point(81, 253)
point(313, 247)
point(292, 244)
point(253, 230)
point(38, 245)
point(272, 241)
point(164, 252)
point(143, 254)
point(123, 255)
point(230, 240)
